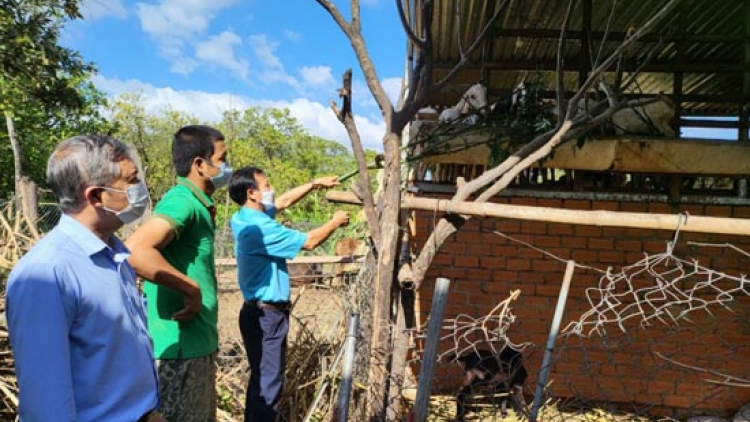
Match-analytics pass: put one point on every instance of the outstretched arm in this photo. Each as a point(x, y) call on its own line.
point(317, 236)
point(291, 197)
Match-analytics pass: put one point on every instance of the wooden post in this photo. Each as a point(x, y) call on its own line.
point(424, 387)
point(695, 224)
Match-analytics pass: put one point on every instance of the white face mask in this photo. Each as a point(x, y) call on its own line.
point(268, 200)
point(138, 200)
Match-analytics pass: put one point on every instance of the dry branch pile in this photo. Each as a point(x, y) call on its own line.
point(17, 235)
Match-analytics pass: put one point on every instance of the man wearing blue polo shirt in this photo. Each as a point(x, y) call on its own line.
point(262, 246)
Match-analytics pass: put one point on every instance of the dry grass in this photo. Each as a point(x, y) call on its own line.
point(17, 236)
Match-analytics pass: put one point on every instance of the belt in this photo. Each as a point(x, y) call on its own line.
point(148, 415)
point(281, 306)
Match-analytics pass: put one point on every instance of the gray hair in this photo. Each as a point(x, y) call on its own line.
point(83, 161)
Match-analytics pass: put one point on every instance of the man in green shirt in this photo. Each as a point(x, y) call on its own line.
point(174, 252)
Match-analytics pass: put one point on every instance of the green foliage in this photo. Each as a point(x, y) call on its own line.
point(527, 118)
point(272, 140)
point(267, 138)
point(44, 87)
point(151, 135)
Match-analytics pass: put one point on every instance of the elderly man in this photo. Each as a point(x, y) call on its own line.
point(262, 246)
point(76, 318)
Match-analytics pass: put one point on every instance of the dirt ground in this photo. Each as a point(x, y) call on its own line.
point(316, 307)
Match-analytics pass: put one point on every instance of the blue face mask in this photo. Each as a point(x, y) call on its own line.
point(138, 200)
point(222, 179)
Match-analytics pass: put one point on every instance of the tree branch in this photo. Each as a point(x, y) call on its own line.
point(336, 15)
point(345, 116)
point(419, 43)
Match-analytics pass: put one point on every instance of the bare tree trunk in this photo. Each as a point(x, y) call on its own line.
point(380, 352)
point(16, 155)
point(29, 200)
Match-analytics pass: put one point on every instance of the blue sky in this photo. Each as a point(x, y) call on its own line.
point(207, 56)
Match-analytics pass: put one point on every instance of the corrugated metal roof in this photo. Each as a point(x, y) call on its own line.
point(703, 39)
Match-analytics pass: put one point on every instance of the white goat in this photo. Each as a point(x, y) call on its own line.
point(647, 119)
point(475, 98)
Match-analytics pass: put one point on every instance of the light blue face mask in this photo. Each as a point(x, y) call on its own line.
point(225, 174)
point(138, 200)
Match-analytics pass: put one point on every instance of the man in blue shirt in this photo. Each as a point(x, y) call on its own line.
point(262, 246)
point(76, 319)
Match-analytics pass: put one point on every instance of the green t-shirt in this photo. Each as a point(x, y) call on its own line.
point(188, 210)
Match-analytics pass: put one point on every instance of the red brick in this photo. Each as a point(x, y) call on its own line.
point(519, 264)
point(491, 262)
point(550, 203)
point(628, 245)
point(477, 249)
point(536, 227)
point(606, 206)
point(504, 250)
point(520, 200)
point(443, 259)
point(592, 231)
point(718, 211)
point(611, 257)
point(466, 261)
point(585, 256)
point(529, 253)
point(548, 265)
point(601, 244)
point(560, 228)
point(531, 277)
point(693, 209)
point(660, 208)
point(741, 212)
point(452, 273)
point(547, 290)
point(577, 204)
point(639, 207)
point(574, 242)
point(546, 241)
point(508, 226)
point(478, 273)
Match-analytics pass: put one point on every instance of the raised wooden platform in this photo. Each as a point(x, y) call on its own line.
point(622, 154)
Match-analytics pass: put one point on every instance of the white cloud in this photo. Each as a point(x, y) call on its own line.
point(317, 76)
point(219, 50)
point(363, 97)
point(292, 36)
point(265, 50)
point(175, 24)
point(392, 87)
point(99, 9)
point(316, 117)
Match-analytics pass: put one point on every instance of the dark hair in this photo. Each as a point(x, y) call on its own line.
point(242, 180)
point(191, 142)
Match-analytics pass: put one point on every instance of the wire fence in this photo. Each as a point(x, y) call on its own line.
point(661, 333)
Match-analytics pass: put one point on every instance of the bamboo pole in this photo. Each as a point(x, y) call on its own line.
point(698, 224)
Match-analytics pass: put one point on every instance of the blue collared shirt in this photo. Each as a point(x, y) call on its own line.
point(262, 246)
point(78, 331)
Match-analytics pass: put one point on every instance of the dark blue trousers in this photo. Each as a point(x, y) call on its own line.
point(264, 331)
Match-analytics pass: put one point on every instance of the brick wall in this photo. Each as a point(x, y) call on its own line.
point(623, 368)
